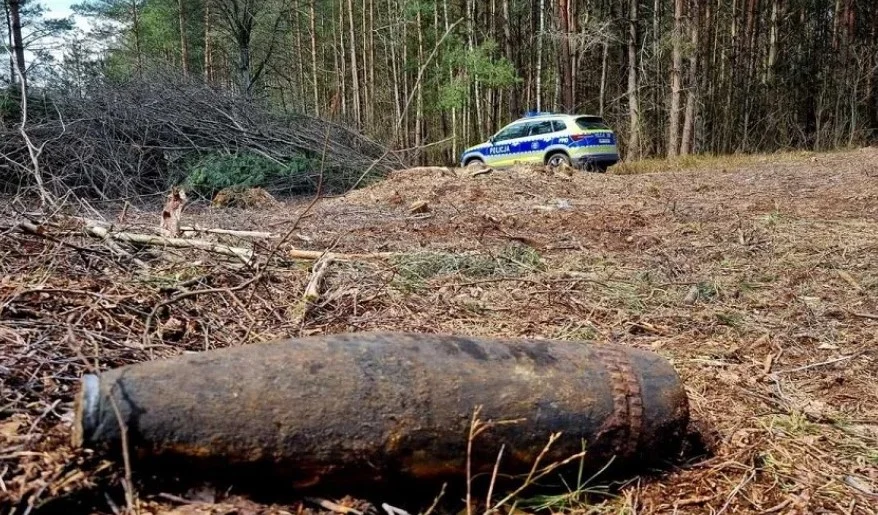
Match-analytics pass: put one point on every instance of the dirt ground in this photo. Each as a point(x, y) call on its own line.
point(758, 281)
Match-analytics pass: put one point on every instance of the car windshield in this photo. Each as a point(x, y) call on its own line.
point(590, 123)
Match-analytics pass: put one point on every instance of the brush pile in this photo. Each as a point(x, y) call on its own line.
point(143, 136)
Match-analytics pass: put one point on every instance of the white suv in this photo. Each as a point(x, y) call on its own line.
point(581, 141)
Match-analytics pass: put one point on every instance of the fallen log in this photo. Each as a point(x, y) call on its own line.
point(245, 255)
point(233, 232)
point(367, 407)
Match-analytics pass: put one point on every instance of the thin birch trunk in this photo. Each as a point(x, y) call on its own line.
point(314, 77)
point(300, 55)
point(355, 72)
point(633, 99)
point(676, 72)
point(340, 61)
point(394, 70)
point(208, 44)
point(507, 33)
point(692, 90)
point(539, 72)
point(772, 44)
point(184, 48)
point(419, 116)
point(367, 120)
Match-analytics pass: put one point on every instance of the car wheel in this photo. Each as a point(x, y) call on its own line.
point(559, 159)
point(475, 163)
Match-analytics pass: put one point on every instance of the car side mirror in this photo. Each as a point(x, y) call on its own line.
point(492, 139)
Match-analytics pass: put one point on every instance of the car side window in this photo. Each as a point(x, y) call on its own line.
point(559, 125)
point(540, 128)
point(516, 131)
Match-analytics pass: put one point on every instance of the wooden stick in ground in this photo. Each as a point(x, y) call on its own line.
point(245, 255)
point(312, 291)
point(173, 212)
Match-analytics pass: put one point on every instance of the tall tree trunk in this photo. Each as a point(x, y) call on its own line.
point(692, 90)
point(419, 116)
point(507, 34)
point(135, 31)
point(184, 48)
point(605, 57)
point(244, 68)
point(772, 43)
point(373, 99)
point(565, 62)
point(341, 59)
point(394, 67)
point(677, 57)
point(355, 72)
point(9, 42)
point(314, 77)
point(476, 97)
point(451, 84)
point(657, 90)
point(539, 72)
point(367, 120)
point(633, 99)
point(406, 133)
point(17, 44)
point(296, 21)
point(208, 45)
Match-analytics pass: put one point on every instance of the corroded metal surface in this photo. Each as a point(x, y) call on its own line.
point(379, 405)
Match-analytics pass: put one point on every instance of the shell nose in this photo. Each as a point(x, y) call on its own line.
point(85, 410)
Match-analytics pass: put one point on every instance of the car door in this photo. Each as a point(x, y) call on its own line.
point(506, 145)
point(539, 137)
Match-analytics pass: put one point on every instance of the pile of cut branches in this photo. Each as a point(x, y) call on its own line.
point(140, 137)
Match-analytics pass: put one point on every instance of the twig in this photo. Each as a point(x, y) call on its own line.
point(176, 298)
point(34, 151)
point(494, 477)
point(393, 510)
point(331, 506)
point(436, 500)
point(815, 365)
point(126, 458)
point(750, 475)
point(536, 474)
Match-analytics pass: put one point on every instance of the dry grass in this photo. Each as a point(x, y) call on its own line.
point(706, 162)
point(760, 284)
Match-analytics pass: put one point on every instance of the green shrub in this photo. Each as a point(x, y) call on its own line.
point(216, 172)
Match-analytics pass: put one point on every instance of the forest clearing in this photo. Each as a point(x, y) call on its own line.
point(756, 277)
point(185, 181)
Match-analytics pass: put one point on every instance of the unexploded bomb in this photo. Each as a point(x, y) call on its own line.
point(370, 406)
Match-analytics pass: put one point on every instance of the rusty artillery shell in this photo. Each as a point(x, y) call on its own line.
point(378, 405)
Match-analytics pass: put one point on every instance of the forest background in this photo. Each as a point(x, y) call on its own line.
point(427, 78)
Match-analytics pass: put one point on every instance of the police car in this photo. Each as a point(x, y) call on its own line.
point(581, 141)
